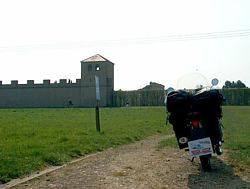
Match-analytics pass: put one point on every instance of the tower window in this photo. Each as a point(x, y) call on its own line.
point(89, 67)
point(97, 68)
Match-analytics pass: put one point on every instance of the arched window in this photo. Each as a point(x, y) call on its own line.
point(97, 68)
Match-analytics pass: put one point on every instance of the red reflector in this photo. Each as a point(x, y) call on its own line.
point(195, 123)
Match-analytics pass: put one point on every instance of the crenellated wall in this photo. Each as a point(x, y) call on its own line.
point(47, 94)
point(46, 83)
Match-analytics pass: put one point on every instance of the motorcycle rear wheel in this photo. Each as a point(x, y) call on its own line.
point(205, 162)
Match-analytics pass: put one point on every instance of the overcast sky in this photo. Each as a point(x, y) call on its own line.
point(148, 40)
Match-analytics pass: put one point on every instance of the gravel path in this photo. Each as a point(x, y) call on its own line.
point(141, 165)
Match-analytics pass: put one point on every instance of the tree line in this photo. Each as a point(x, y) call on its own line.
point(234, 85)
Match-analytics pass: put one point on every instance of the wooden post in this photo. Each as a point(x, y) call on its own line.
point(97, 117)
point(98, 98)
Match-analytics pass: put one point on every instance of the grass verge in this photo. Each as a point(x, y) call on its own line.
point(236, 121)
point(32, 139)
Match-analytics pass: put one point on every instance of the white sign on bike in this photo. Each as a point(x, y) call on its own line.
point(200, 147)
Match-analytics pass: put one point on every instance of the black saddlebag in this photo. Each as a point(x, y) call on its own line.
point(178, 102)
point(208, 103)
point(180, 129)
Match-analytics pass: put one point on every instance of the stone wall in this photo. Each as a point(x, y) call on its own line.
point(62, 94)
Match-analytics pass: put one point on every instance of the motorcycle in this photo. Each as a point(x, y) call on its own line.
point(196, 118)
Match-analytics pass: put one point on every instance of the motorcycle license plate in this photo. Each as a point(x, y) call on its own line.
point(200, 147)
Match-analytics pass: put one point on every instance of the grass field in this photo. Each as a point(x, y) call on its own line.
point(237, 133)
point(236, 122)
point(31, 139)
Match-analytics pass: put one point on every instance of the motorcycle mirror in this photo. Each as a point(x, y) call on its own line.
point(166, 93)
point(170, 89)
point(215, 82)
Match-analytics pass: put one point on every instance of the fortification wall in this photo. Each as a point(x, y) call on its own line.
point(62, 94)
point(47, 94)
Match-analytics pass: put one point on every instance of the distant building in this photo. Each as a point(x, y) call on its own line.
point(82, 93)
point(153, 87)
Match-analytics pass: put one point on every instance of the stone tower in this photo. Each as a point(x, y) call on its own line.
point(104, 69)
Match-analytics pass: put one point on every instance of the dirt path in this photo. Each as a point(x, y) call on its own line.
point(140, 165)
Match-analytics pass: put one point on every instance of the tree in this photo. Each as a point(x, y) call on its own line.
point(227, 85)
point(238, 84)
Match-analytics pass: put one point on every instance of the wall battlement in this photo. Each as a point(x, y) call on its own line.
point(46, 83)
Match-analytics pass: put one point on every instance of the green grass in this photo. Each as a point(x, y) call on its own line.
point(169, 142)
point(236, 121)
point(31, 139)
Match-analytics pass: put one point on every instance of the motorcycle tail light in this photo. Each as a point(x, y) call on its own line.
point(195, 123)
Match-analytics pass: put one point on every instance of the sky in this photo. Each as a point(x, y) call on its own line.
point(147, 40)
